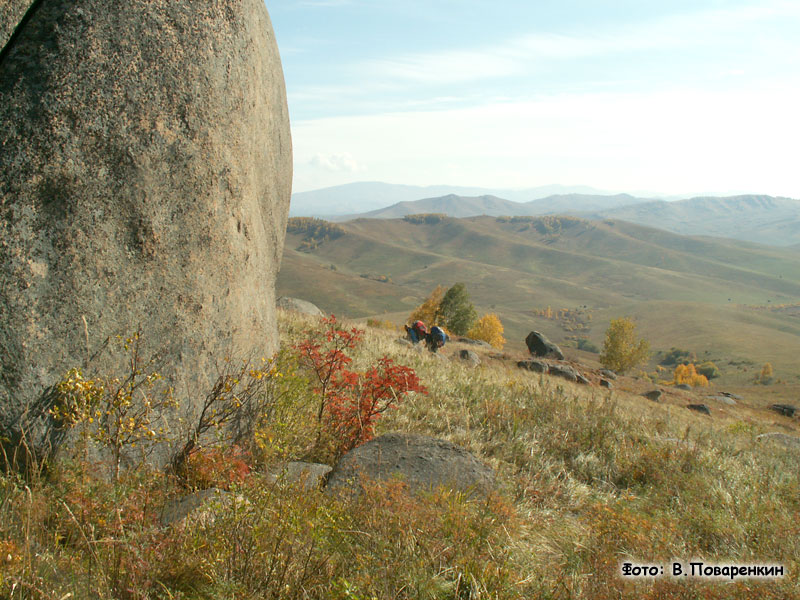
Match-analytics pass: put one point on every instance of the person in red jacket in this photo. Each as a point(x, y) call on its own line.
point(417, 332)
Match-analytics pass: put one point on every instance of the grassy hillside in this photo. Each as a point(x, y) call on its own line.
point(762, 219)
point(709, 295)
point(587, 479)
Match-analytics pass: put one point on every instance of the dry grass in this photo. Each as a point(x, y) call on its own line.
point(587, 479)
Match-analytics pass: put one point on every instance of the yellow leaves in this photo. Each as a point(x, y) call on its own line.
point(489, 329)
point(688, 374)
point(621, 351)
point(427, 311)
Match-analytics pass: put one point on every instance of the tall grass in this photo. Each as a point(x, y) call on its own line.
point(587, 479)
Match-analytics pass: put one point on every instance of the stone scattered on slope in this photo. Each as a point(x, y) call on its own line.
point(654, 395)
point(724, 400)
point(606, 384)
point(531, 364)
point(309, 475)
point(608, 374)
point(539, 345)
point(300, 306)
point(784, 409)
point(420, 461)
point(731, 395)
point(466, 340)
point(197, 504)
point(684, 386)
point(468, 357)
point(791, 441)
point(701, 408)
point(145, 176)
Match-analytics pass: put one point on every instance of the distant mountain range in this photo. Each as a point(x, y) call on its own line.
point(356, 198)
point(492, 206)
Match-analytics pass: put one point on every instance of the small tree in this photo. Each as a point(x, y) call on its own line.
point(456, 311)
point(427, 311)
point(621, 350)
point(688, 374)
point(765, 377)
point(490, 330)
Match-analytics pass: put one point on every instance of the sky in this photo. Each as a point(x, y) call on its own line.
point(639, 96)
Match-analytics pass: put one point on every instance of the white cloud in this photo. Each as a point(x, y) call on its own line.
point(678, 141)
point(343, 162)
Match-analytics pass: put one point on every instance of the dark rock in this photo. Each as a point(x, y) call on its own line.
point(702, 408)
point(537, 366)
point(784, 409)
point(565, 372)
point(300, 306)
point(145, 176)
point(469, 357)
point(730, 395)
point(684, 386)
point(422, 462)
point(539, 345)
point(654, 395)
point(466, 340)
point(608, 374)
point(309, 475)
point(582, 380)
point(606, 384)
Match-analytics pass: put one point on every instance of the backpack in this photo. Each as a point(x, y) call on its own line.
point(419, 326)
point(438, 334)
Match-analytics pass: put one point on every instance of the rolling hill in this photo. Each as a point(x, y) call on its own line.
point(360, 197)
point(761, 219)
point(713, 296)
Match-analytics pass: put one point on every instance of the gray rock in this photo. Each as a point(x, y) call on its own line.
point(422, 462)
point(178, 509)
point(791, 441)
point(309, 475)
point(539, 345)
point(466, 340)
point(301, 306)
point(565, 372)
point(654, 395)
point(469, 357)
point(11, 13)
point(145, 176)
point(730, 395)
point(537, 366)
point(608, 374)
point(606, 384)
point(684, 386)
point(701, 408)
point(784, 409)
point(724, 400)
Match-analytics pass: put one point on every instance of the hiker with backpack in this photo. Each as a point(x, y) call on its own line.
point(434, 339)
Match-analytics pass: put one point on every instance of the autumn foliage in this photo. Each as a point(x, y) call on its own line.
point(488, 329)
point(427, 312)
point(688, 374)
point(621, 350)
point(350, 403)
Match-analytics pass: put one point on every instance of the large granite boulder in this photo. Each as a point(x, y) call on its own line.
point(145, 176)
point(539, 345)
point(301, 306)
point(422, 462)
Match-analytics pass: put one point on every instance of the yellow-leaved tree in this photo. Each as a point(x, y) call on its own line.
point(621, 350)
point(427, 311)
point(688, 374)
point(488, 329)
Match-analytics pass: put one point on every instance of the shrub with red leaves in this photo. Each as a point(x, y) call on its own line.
point(351, 402)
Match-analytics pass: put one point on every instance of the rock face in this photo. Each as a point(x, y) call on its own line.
point(11, 13)
point(537, 366)
point(422, 462)
point(302, 306)
point(145, 175)
point(539, 345)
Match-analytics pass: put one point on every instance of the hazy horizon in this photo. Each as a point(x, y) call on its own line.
point(678, 99)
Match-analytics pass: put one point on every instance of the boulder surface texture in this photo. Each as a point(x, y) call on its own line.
point(539, 345)
point(422, 462)
point(145, 176)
